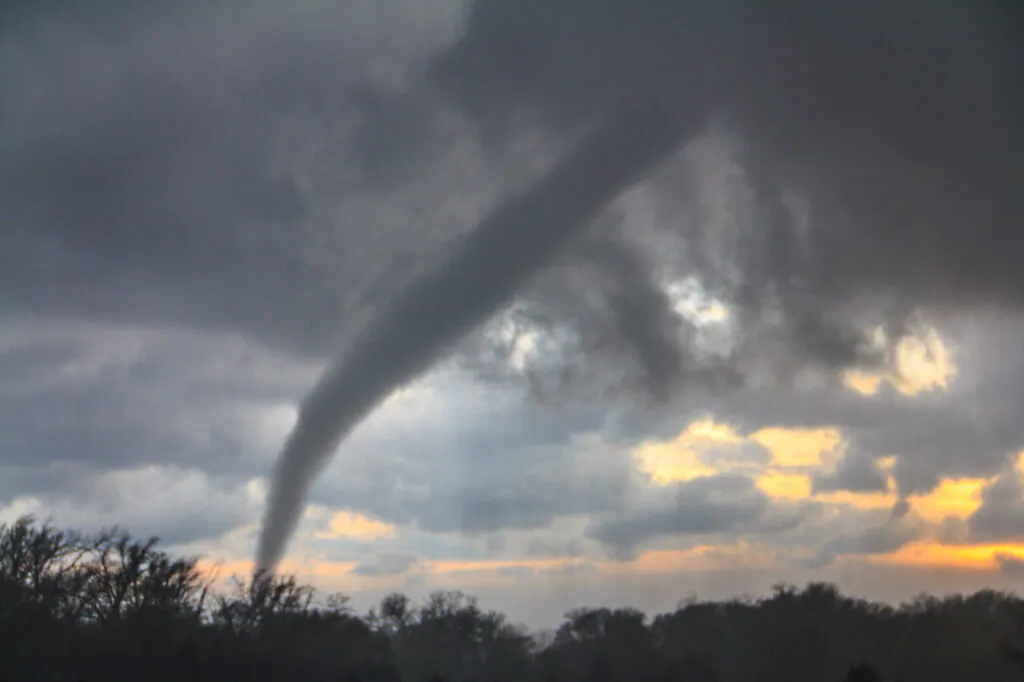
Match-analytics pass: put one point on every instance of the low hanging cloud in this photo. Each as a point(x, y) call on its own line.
point(177, 506)
point(703, 506)
point(1000, 517)
point(387, 564)
point(855, 473)
point(893, 533)
point(1011, 566)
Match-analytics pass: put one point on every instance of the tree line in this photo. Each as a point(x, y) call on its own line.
point(110, 607)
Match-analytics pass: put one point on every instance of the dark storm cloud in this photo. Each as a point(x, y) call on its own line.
point(19, 364)
point(1009, 565)
point(887, 537)
point(703, 506)
point(87, 398)
point(387, 564)
point(188, 167)
point(221, 184)
point(230, 173)
point(900, 509)
point(642, 312)
point(855, 473)
point(33, 478)
point(177, 505)
point(897, 121)
point(539, 547)
point(1001, 514)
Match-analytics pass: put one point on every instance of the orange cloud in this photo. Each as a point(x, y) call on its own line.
point(462, 574)
point(922, 363)
point(862, 382)
point(785, 486)
point(931, 554)
point(224, 571)
point(953, 497)
point(357, 527)
point(679, 459)
point(799, 447)
point(863, 501)
point(788, 486)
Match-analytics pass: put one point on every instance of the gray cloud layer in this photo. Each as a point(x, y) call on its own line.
point(277, 175)
point(252, 177)
point(704, 506)
point(896, 121)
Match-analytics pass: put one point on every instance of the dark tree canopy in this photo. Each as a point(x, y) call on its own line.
point(111, 607)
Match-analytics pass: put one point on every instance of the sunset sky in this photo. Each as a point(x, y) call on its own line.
point(208, 204)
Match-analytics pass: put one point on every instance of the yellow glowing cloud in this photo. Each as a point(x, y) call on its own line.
point(799, 447)
point(921, 363)
point(862, 382)
point(863, 501)
point(793, 486)
point(785, 486)
point(953, 497)
point(711, 431)
point(931, 554)
point(356, 527)
point(679, 459)
point(692, 303)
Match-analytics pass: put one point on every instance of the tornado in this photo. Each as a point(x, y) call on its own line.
point(518, 238)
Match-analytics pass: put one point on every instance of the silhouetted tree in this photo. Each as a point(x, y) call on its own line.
point(862, 672)
point(109, 608)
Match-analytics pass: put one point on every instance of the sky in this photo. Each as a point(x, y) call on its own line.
point(791, 353)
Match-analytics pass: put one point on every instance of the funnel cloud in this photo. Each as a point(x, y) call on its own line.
point(518, 238)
